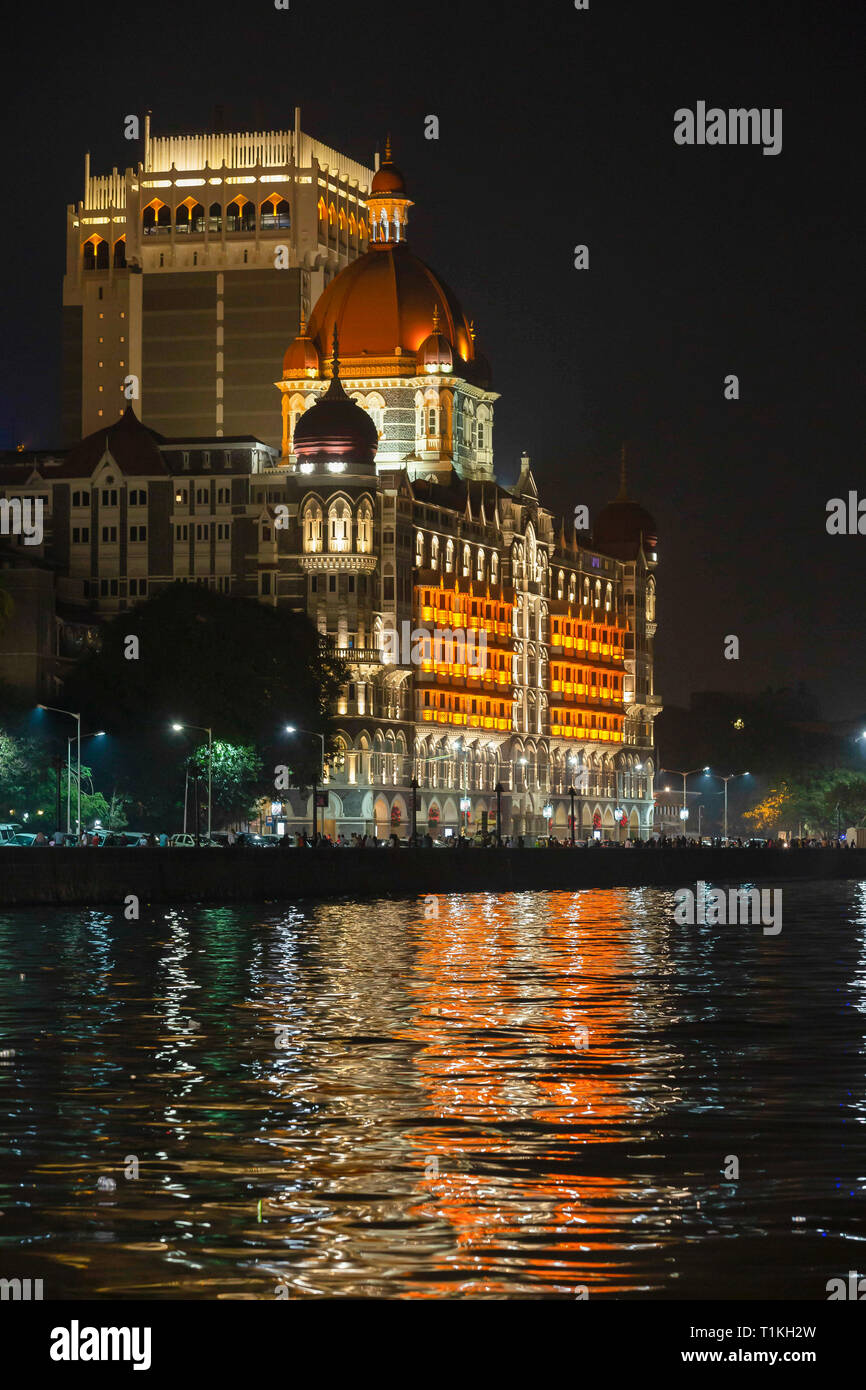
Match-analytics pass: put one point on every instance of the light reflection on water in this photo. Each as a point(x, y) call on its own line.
point(524, 1095)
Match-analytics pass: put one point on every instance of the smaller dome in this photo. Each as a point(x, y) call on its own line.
point(301, 357)
point(388, 179)
point(621, 526)
point(336, 429)
point(434, 354)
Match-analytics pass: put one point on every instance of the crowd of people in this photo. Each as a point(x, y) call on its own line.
point(91, 839)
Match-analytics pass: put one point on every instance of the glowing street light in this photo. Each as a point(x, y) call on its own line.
point(684, 814)
point(203, 729)
point(730, 777)
point(77, 717)
point(313, 733)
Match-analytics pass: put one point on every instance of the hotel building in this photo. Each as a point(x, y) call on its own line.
point(376, 511)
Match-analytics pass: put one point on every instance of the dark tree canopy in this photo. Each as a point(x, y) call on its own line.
point(229, 663)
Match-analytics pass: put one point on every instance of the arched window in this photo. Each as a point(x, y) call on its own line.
point(275, 212)
point(651, 602)
point(608, 597)
point(479, 564)
point(196, 218)
point(598, 593)
point(467, 561)
point(494, 568)
point(215, 218)
point(560, 584)
point(102, 255)
point(181, 217)
point(365, 528)
point(586, 592)
point(339, 525)
point(431, 422)
point(296, 410)
point(571, 585)
point(419, 549)
point(148, 220)
point(434, 552)
point(312, 526)
point(449, 556)
point(89, 252)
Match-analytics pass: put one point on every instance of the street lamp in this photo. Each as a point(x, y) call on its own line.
point(312, 733)
point(77, 718)
point(99, 733)
point(730, 777)
point(414, 785)
point(203, 729)
point(684, 813)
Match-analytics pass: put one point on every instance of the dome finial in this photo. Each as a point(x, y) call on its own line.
point(388, 148)
point(435, 318)
point(335, 360)
point(303, 324)
point(623, 490)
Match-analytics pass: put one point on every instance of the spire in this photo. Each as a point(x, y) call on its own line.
point(472, 330)
point(335, 390)
point(302, 331)
point(435, 318)
point(388, 148)
point(623, 490)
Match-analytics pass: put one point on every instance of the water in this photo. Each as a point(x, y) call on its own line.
point(361, 1099)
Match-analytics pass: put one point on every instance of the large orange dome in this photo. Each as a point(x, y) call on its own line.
point(385, 300)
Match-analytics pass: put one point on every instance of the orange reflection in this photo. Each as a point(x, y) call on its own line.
point(506, 1056)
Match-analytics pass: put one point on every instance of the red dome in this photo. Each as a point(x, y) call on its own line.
point(335, 429)
point(301, 357)
point(388, 179)
point(434, 354)
point(622, 526)
point(385, 300)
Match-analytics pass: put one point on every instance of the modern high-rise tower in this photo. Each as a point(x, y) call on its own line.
point(186, 275)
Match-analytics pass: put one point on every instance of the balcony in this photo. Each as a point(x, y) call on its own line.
point(358, 655)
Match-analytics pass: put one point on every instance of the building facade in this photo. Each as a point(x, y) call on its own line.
point(499, 661)
point(169, 295)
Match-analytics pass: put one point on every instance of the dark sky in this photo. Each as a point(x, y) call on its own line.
point(556, 128)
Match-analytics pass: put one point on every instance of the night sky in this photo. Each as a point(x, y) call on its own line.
point(556, 128)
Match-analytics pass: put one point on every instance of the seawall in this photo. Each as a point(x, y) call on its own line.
point(91, 877)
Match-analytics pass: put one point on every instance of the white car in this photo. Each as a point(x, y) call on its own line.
point(188, 842)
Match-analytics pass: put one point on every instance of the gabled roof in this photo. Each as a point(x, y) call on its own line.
point(132, 446)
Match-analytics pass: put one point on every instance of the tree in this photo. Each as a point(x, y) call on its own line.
point(237, 773)
point(194, 657)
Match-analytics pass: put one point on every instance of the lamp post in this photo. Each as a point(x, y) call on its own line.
point(684, 814)
point(414, 785)
point(498, 790)
point(99, 733)
point(203, 729)
point(77, 718)
point(312, 733)
point(730, 777)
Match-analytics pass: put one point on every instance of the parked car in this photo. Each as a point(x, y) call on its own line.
point(188, 842)
point(8, 831)
point(24, 837)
